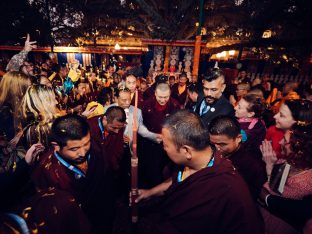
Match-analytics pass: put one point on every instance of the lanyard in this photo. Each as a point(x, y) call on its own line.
point(180, 173)
point(101, 127)
point(21, 222)
point(77, 171)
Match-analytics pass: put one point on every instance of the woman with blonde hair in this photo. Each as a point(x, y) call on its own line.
point(39, 110)
point(12, 89)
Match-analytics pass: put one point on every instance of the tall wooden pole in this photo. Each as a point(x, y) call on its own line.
point(166, 63)
point(134, 163)
point(198, 42)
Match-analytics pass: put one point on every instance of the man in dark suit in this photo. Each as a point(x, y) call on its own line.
point(211, 102)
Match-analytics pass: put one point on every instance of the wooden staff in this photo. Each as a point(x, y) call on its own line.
point(134, 163)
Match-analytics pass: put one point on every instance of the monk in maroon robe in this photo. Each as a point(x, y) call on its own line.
point(225, 134)
point(206, 194)
point(75, 168)
point(179, 90)
point(150, 92)
point(107, 135)
point(153, 159)
point(158, 107)
point(131, 84)
point(51, 211)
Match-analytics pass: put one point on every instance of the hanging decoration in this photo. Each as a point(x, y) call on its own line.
point(158, 57)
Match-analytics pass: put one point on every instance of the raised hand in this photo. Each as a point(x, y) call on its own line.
point(268, 155)
point(89, 112)
point(29, 45)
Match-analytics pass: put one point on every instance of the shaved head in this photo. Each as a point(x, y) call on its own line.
point(163, 87)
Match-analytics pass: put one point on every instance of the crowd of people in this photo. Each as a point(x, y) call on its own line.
point(208, 150)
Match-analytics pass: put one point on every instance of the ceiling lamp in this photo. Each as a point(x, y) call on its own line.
point(267, 34)
point(238, 2)
point(223, 54)
point(117, 46)
point(231, 52)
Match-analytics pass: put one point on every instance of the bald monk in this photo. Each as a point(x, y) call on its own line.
point(153, 158)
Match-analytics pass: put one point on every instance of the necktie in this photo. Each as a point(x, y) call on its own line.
point(204, 108)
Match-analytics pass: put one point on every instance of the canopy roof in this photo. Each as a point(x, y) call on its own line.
point(285, 23)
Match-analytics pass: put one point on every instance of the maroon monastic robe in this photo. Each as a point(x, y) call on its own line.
point(180, 97)
point(93, 192)
point(152, 156)
point(140, 100)
point(212, 200)
point(109, 146)
point(154, 114)
point(53, 211)
point(248, 162)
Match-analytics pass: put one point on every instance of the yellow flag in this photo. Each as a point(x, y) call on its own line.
point(52, 76)
point(73, 75)
point(99, 109)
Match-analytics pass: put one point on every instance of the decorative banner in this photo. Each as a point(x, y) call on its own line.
point(167, 59)
point(158, 57)
point(196, 57)
point(174, 58)
point(70, 57)
point(78, 56)
point(188, 59)
point(86, 59)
